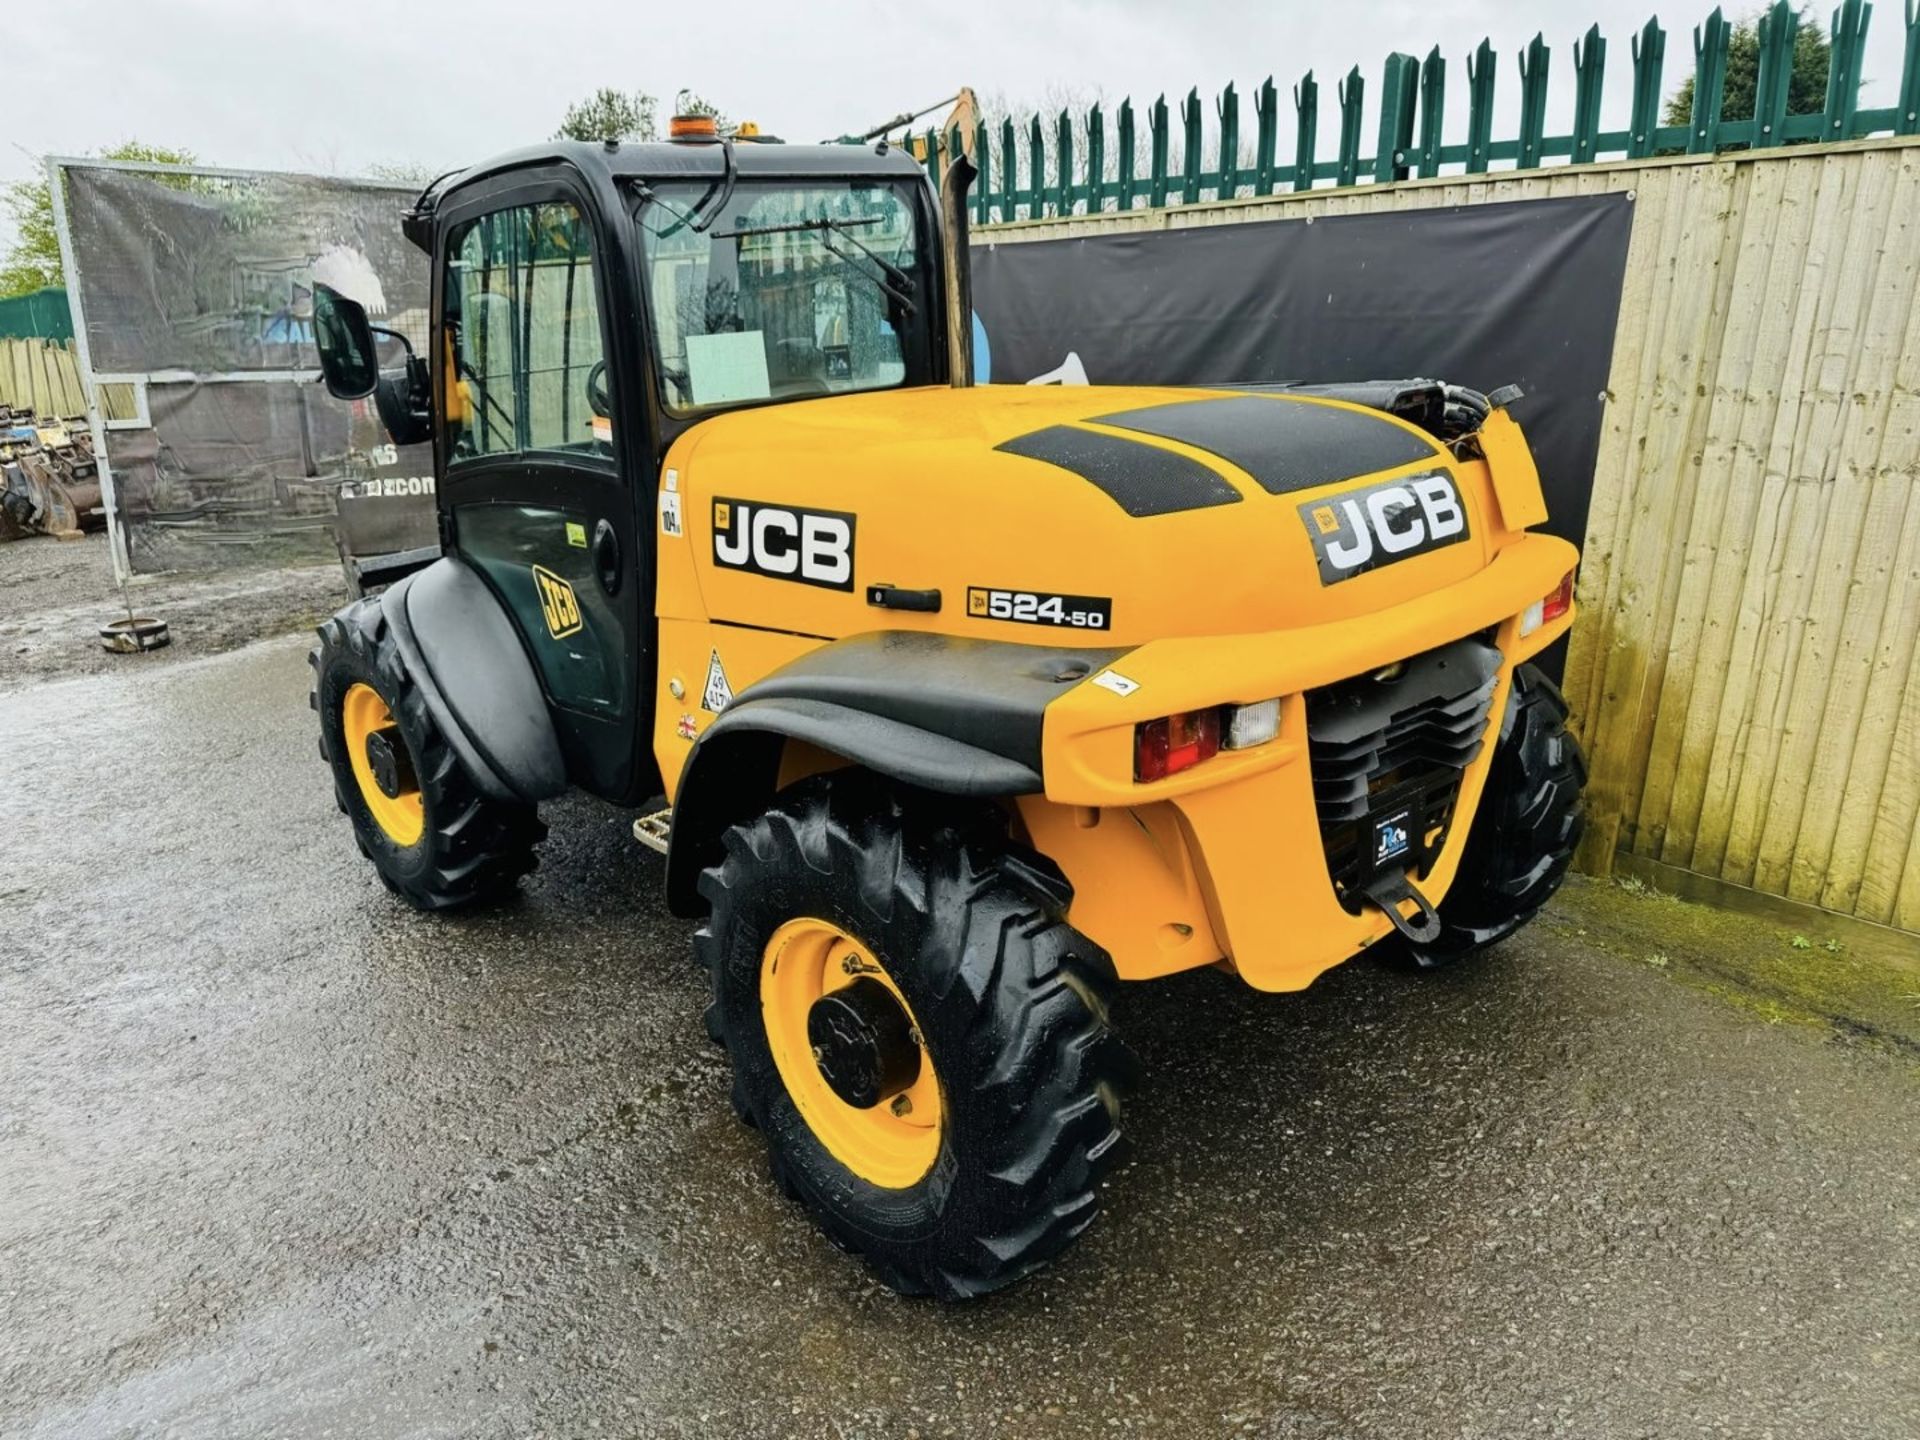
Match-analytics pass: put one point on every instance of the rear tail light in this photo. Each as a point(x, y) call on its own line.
point(1549, 607)
point(1168, 746)
point(1249, 725)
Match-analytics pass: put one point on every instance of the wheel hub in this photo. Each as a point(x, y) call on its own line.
point(389, 762)
point(851, 1053)
point(382, 766)
point(863, 1043)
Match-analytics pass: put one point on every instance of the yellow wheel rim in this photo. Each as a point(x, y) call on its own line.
point(363, 714)
point(892, 1144)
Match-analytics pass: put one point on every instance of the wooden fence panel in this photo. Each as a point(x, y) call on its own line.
point(1695, 268)
point(43, 376)
point(1859, 351)
point(39, 375)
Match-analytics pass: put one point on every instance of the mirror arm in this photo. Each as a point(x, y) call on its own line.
point(405, 344)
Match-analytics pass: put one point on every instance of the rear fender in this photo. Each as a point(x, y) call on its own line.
point(953, 716)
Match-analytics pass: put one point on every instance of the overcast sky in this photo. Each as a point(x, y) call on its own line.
point(337, 85)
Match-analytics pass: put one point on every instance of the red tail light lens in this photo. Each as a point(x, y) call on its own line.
point(1559, 602)
point(1166, 747)
point(1548, 607)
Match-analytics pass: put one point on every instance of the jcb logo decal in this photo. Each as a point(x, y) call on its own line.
point(558, 604)
point(814, 547)
point(1367, 528)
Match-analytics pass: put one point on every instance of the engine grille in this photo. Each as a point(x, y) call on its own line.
point(1379, 747)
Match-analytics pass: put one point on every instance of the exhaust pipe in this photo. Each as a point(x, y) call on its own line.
point(953, 248)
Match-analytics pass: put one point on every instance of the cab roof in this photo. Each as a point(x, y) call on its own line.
point(626, 162)
point(677, 159)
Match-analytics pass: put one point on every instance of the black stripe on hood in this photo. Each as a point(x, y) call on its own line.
point(1143, 479)
point(1284, 444)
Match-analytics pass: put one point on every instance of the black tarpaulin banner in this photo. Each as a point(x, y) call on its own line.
point(203, 281)
point(1523, 292)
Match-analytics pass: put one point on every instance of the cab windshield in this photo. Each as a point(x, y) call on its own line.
point(779, 291)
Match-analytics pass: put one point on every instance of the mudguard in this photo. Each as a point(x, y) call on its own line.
point(462, 648)
point(956, 716)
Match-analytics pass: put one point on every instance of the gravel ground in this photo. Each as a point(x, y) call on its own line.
point(282, 1158)
point(55, 594)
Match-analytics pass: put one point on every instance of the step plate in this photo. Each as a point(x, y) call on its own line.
point(653, 831)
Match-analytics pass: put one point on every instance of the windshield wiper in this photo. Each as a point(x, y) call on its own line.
point(718, 193)
point(896, 282)
point(698, 219)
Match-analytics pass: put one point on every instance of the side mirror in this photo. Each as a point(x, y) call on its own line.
point(345, 340)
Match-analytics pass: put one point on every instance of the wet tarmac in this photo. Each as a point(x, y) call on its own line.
point(279, 1157)
point(55, 594)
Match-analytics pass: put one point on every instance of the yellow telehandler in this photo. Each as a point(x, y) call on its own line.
point(969, 700)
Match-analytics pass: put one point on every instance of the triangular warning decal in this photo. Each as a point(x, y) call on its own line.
point(718, 694)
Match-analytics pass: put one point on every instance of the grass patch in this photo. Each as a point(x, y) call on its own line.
point(1780, 975)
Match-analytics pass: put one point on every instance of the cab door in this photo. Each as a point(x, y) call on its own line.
point(537, 495)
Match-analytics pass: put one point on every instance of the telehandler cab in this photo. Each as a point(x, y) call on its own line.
point(970, 700)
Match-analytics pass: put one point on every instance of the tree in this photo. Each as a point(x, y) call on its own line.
point(1806, 90)
point(609, 114)
point(34, 261)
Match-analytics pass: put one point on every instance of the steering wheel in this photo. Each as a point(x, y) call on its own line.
point(597, 398)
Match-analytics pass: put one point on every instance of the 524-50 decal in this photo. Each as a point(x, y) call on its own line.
point(1040, 607)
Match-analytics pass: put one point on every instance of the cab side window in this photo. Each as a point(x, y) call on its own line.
point(523, 346)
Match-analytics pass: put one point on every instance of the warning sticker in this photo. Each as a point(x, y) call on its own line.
point(718, 694)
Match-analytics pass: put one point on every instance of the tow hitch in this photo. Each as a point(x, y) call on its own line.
point(1387, 889)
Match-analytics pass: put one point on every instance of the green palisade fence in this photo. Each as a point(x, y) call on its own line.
point(1068, 169)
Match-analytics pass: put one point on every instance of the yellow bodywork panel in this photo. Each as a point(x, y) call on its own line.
point(1516, 479)
point(775, 521)
point(1132, 870)
point(1249, 830)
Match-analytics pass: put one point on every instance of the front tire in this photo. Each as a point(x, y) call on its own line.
point(435, 839)
point(993, 1163)
point(1524, 833)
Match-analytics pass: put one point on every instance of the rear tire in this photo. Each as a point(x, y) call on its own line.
point(464, 846)
point(1009, 1007)
point(1524, 832)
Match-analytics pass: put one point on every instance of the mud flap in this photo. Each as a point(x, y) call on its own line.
point(1387, 889)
